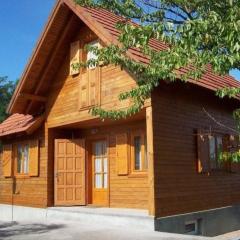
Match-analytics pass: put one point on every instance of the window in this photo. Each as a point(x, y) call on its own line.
point(74, 57)
point(22, 159)
point(89, 94)
point(193, 227)
point(91, 54)
point(212, 149)
point(100, 165)
point(215, 149)
point(138, 152)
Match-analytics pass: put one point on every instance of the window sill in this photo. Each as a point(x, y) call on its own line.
point(138, 175)
point(22, 176)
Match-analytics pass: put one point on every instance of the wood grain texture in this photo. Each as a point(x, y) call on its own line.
point(70, 97)
point(34, 158)
point(69, 179)
point(177, 114)
point(122, 153)
point(7, 160)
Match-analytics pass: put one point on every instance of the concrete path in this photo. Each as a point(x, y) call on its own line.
point(69, 230)
point(80, 231)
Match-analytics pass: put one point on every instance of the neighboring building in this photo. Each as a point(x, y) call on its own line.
point(163, 159)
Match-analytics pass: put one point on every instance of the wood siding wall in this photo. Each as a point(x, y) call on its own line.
point(29, 191)
point(177, 114)
point(63, 104)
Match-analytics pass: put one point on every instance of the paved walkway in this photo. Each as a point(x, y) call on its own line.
point(80, 231)
point(67, 230)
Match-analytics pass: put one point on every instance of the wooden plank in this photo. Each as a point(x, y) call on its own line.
point(51, 61)
point(33, 97)
point(34, 158)
point(122, 155)
point(7, 160)
point(150, 154)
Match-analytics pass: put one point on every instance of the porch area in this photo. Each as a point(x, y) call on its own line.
point(105, 165)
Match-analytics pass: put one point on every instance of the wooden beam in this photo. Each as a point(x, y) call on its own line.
point(63, 34)
point(33, 97)
point(150, 154)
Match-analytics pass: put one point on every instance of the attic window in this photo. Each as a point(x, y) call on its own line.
point(91, 54)
point(74, 58)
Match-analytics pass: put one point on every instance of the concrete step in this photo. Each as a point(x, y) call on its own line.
point(114, 216)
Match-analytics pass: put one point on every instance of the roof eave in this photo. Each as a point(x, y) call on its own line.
point(10, 108)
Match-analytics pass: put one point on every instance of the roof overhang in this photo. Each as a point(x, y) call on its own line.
point(20, 123)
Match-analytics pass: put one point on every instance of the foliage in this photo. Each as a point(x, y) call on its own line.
point(6, 90)
point(196, 33)
point(233, 157)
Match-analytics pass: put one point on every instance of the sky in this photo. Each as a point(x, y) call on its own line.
point(21, 24)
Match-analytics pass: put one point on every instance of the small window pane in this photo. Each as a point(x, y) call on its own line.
point(92, 55)
point(98, 165)
point(98, 181)
point(22, 159)
point(137, 152)
point(105, 165)
point(98, 149)
point(105, 180)
point(26, 159)
point(145, 154)
point(219, 146)
point(212, 153)
point(104, 148)
point(19, 159)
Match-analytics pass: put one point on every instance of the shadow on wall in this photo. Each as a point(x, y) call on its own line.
point(15, 229)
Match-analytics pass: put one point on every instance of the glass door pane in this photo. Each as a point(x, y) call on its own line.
point(100, 165)
point(98, 181)
point(105, 165)
point(105, 180)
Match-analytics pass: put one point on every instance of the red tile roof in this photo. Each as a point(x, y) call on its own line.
point(18, 123)
point(107, 20)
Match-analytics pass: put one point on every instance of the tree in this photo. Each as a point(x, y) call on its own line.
point(6, 90)
point(196, 33)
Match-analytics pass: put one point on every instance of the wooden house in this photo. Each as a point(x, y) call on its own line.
point(163, 159)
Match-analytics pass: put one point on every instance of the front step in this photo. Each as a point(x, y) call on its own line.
point(113, 216)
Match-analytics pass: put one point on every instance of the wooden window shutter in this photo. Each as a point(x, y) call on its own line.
point(122, 153)
point(83, 99)
point(203, 165)
point(75, 54)
point(7, 160)
point(34, 158)
point(94, 78)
